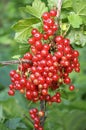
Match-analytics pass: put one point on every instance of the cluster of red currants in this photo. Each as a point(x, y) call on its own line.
point(36, 117)
point(51, 60)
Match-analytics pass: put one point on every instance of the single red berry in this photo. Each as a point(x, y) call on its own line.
point(34, 30)
point(75, 53)
point(11, 92)
point(46, 15)
point(67, 80)
point(40, 128)
point(38, 45)
point(58, 100)
point(59, 39)
point(71, 88)
point(53, 13)
point(12, 73)
point(37, 36)
point(31, 41)
point(44, 92)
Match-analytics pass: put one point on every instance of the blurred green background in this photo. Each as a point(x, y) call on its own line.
point(69, 115)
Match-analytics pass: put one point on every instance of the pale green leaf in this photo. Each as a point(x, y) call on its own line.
point(75, 20)
point(37, 8)
point(67, 4)
point(77, 37)
point(79, 7)
point(16, 56)
point(52, 3)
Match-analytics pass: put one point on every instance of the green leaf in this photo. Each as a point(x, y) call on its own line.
point(37, 8)
point(75, 20)
point(23, 29)
point(77, 37)
point(1, 114)
point(4, 95)
point(16, 57)
point(79, 7)
point(15, 123)
point(3, 127)
point(64, 94)
point(80, 105)
point(77, 121)
point(67, 4)
point(52, 3)
point(24, 24)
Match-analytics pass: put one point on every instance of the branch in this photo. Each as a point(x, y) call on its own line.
point(59, 5)
point(11, 62)
point(43, 108)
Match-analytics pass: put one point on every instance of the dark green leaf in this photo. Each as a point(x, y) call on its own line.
point(2, 118)
point(4, 95)
point(3, 127)
point(80, 105)
point(24, 24)
point(76, 121)
point(13, 123)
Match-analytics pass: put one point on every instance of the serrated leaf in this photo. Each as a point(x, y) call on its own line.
point(37, 8)
point(13, 123)
point(52, 3)
point(77, 37)
point(67, 4)
point(25, 23)
point(23, 29)
point(75, 20)
point(79, 7)
point(22, 125)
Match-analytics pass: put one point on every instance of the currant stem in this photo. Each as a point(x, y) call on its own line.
point(11, 62)
point(59, 5)
point(43, 108)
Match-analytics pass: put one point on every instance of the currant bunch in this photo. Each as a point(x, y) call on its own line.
point(52, 60)
point(35, 116)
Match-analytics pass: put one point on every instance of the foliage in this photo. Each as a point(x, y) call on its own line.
point(73, 25)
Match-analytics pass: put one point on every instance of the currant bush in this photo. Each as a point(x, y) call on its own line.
point(53, 59)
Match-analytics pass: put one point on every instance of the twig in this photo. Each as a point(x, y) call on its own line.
point(43, 108)
point(11, 62)
point(59, 5)
point(65, 33)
